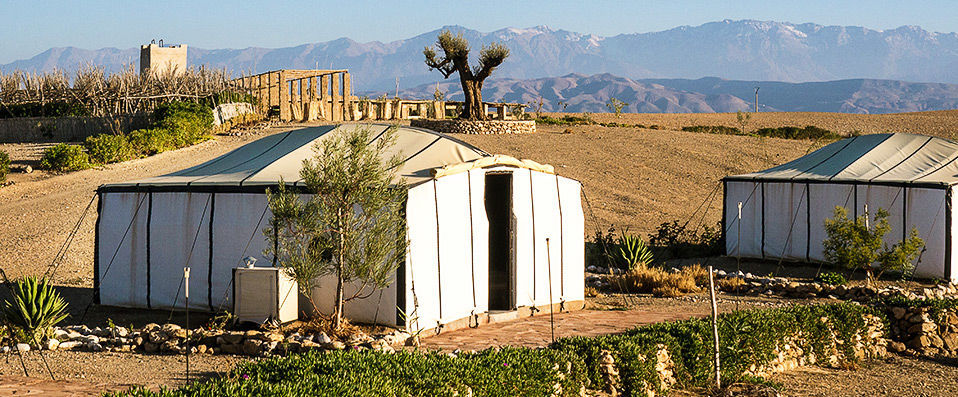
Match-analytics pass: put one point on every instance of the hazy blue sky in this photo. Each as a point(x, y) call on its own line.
point(30, 27)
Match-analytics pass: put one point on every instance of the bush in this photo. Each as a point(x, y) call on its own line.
point(713, 129)
point(49, 109)
point(831, 278)
point(633, 253)
point(747, 338)
point(65, 157)
point(674, 240)
point(4, 165)
point(853, 245)
point(151, 141)
point(809, 132)
point(565, 120)
point(108, 148)
point(33, 308)
point(659, 282)
point(507, 372)
point(187, 123)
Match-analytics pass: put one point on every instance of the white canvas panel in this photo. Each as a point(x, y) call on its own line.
point(545, 197)
point(824, 199)
point(123, 276)
point(524, 242)
point(480, 236)
point(422, 280)
point(368, 306)
point(457, 265)
point(178, 219)
point(952, 274)
point(926, 212)
point(238, 223)
point(572, 264)
point(889, 198)
point(750, 229)
point(785, 220)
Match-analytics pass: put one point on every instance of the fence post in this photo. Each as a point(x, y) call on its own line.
point(715, 335)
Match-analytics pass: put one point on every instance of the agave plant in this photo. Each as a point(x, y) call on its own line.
point(634, 252)
point(34, 307)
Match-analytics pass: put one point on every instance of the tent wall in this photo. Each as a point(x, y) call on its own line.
point(786, 219)
point(121, 251)
point(238, 223)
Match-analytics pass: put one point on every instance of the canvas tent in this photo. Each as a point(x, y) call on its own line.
point(477, 226)
point(784, 208)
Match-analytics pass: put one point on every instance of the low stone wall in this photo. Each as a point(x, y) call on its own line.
point(477, 127)
point(64, 129)
point(924, 331)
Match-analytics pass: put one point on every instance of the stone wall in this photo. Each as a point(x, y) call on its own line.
point(477, 127)
point(64, 129)
point(924, 331)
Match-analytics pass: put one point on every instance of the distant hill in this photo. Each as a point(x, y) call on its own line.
point(742, 50)
point(591, 93)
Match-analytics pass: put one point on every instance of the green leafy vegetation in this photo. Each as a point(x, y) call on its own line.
point(352, 226)
point(505, 372)
point(633, 252)
point(33, 308)
point(64, 157)
point(675, 240)
point(616, 105)
point(808, 132)
point(831, 278)
point(713, 129)
point(749, 338)
point(108, 148)
point(854, 244)
point(49, 109)
point(178, 124)
point(4, 166)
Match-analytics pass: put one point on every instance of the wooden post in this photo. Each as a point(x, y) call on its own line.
point(347, 97)
point(324, 96)
point(552, 321)
point(715, 334)
point(501, 112)
point(301, 101)
point(337, 113)
point(284, 99)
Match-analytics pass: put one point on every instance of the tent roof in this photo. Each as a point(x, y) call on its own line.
point(264, 161)
point(890, 159)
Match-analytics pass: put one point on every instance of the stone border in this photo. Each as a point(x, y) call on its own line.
point(477, 127)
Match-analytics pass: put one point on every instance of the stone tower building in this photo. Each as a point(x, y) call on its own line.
point(159, 58)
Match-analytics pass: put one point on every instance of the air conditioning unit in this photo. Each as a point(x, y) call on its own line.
point(264, 293)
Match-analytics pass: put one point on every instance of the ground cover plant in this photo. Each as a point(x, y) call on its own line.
point(750, 340)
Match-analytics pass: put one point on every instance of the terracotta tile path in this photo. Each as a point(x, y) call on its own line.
point(535, 331)
point(23, 386)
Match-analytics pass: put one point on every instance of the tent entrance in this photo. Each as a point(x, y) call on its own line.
point(498, 200)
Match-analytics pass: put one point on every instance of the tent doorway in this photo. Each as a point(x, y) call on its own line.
point(498, 198)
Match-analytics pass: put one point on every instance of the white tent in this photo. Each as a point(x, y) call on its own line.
point(784, 208)
point(477, 226)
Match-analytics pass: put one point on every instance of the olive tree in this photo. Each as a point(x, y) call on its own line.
point(351, 224)
point(455, 59)
point(854, 244)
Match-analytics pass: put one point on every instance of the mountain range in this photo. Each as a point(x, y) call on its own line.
point(580, 93)
point(744, 51)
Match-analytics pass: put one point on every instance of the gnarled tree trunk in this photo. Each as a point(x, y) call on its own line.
point(472, 108)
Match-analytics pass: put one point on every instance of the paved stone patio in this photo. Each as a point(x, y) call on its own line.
point(23, 386)
point(535, 331)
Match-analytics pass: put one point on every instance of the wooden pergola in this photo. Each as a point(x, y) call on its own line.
point(303, 95)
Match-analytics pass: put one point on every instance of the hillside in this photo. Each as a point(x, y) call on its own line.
point(582, 93)
point(742, 50)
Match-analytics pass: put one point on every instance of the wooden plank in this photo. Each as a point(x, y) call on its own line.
point(347, 98)
point(337, 100)
point(284, 99)
point(324, 97)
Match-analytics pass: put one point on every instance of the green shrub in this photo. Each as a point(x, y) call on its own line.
point(713, 129)
point(831, 278)
point(565, 120)
point(151, 141)
point(109, 148)
point(675, 240)
point(853, 244)
point(633, 252)
point(65, 157)
point(33, 308)
point(508, 372)
point(4, 165)
point(49, 109)
point(809, 132)
point(187, 123)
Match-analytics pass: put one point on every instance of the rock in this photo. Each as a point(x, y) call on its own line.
point(231, 349)
point(233, 338)
point(252, 347)
point(920, 342)
point(335, 345)
point(321, 338)
point(151, 327)
point(896, 347)
point(922, 327)
point(23, 347)
point(61, 334)
point(202, 349)
point(69, 345)
point(898, 312)
point(51, 344)
point(273, 337)
point(150, 347)
point(170, 346)
point(94, 347)
point(125, 348)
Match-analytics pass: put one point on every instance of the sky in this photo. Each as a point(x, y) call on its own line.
point(29, 27)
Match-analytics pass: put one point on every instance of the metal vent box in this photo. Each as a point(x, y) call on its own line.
point(263, 293)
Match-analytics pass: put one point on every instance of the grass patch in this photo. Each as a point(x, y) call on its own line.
point(807, 132)
point(4, 166)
